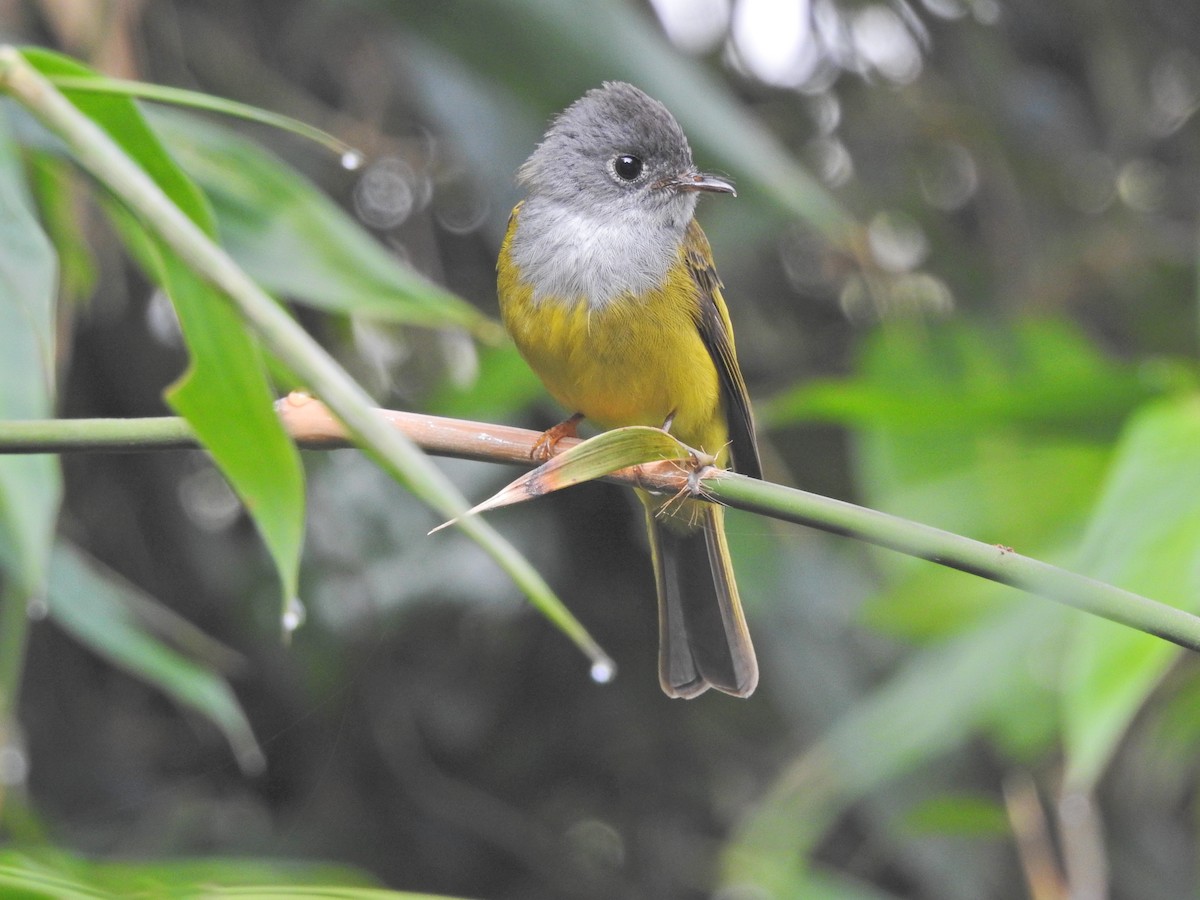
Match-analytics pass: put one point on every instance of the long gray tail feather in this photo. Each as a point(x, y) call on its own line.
point(703, 639)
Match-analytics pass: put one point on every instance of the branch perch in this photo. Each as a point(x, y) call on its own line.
point(313, 426)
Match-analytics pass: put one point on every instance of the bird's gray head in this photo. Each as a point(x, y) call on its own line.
point(617, 150)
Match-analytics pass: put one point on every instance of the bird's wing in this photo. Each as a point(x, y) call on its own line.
point(717, 333)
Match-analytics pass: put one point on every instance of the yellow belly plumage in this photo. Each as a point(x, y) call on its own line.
point(630, 361)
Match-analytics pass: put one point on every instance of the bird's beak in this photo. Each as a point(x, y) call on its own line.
point(698, 181)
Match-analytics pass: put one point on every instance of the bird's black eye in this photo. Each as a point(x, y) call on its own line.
point(627, 167)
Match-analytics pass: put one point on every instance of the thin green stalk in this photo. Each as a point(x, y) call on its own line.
point(159, 93)
point(95, 151)
point(989, 561)
point(67, 435)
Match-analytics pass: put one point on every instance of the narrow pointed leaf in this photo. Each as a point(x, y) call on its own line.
point(604, 454)
point(594, 458)
point(224, 394)
point(159, 93)
point(226, 398)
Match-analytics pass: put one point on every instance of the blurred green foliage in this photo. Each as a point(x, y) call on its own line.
point(962, 270)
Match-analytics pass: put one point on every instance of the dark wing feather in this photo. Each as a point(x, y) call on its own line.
point(717, 334)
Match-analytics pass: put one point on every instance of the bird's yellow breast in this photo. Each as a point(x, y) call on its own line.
point(633, 360)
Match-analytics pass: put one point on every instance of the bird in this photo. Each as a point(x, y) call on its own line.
point(607, 286)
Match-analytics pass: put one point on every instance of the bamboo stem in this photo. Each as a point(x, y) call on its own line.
point(312, 425)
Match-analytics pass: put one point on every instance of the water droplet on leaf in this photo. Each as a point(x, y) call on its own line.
point(603, 671)
point(294, 615)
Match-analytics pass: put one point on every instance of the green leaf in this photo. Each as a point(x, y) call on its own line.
point(957, 815)
point(30, 486)
point(1042, 375)
point(224, 394)
point(225, 397)
point(56, 186)
point(594, 458)
point(49, 874)
point(604, 454)
point(1144, 536)
point(101, 611)
point(292, 239)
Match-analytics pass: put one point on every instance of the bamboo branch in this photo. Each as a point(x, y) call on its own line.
point(313, 426)
point(95, 435)
point(992, 561)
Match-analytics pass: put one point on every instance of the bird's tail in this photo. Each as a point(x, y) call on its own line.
point(703, 638)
